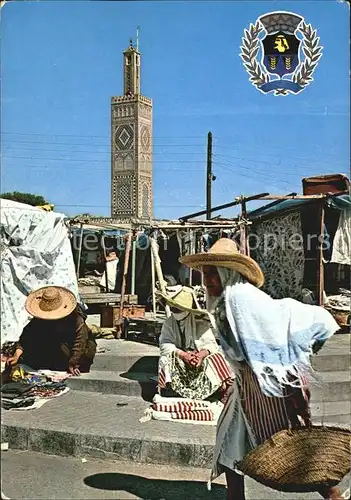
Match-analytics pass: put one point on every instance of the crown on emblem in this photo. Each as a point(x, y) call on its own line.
point(281, 21)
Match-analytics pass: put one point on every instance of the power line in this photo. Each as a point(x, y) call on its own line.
point(107, 152)
point(260, 175)
point(91, 161)
point(99, 145)
point(100, 136)
point(61, 167)
point(233, 147)
point(296, 167)
point(277, 172)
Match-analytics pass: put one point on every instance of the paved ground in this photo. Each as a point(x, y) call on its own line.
point(34, 476)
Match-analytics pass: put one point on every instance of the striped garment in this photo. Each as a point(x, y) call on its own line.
point(162, 378)
point(266, 415)
point(220, 366)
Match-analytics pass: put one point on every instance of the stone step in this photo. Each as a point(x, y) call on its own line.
point(119, 383)
point(106, 426)
point(331, 386)
point(327, 386)
point(335, 355)
point(125, 355)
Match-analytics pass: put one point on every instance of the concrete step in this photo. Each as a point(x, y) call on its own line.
point(88, 424)
point(119, 383)
point(125, 355)
point(331, 386)
point(327, 386)
point(335, 355)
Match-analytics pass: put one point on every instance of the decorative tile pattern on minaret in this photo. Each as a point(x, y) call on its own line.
point(131, 146)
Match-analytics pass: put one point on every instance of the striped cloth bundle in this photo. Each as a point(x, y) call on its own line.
point(197, 415)
point(180, 406)
point(184, 410)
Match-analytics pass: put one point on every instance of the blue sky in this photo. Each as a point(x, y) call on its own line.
point(62, 62)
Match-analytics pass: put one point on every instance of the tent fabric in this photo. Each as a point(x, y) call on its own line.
point(35, 252)
point(338, 201)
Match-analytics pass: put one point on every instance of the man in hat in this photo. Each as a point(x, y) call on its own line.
point(57, 338)
point(190, 364)
point(267, 343)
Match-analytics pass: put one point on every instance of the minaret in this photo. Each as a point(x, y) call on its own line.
point(131, 145)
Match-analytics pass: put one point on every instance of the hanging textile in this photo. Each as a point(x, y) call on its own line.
point(341, 253)
point(277, 246)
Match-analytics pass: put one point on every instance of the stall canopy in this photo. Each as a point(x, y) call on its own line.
point(35, 252)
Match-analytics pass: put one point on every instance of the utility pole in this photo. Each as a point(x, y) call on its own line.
point(209, 177)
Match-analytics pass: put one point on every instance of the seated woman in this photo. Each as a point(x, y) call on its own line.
point(190, 364)
point(57, 338)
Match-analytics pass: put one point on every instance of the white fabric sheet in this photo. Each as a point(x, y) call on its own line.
point(341, 253)
point(35, 252)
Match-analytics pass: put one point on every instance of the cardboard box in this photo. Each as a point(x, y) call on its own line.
point(110, 314)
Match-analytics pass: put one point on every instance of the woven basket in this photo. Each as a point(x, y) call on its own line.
point(300, 460)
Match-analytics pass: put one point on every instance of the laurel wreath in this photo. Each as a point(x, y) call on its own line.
point(251, 45)
point(249, 51)
point(312, 51)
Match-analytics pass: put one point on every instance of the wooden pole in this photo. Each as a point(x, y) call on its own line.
point(133, 264)
point(153, 283)
point(102, 242)
point(158, 268)
point(209, 177)
point(320, 268)
point(202, 249)
point(191, 251)
point(80, 249)
point(244, 229)
point(123, 288)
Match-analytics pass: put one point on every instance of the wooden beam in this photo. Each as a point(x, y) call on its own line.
point(226, 205)
point(294, 197)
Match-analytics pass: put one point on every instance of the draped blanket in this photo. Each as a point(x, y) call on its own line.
point(274, 336)
point(35, 252)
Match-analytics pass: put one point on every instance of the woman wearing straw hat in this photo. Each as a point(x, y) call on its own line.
point(267, 343)
point(190, 364)
point(57, 338)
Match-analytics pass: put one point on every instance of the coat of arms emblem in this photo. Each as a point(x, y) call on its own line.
point(290, 52)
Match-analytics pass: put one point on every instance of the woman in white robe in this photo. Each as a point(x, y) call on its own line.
point(191, 364)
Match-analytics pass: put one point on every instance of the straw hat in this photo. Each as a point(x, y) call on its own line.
point(224, 253)
point(183, 298)
point(51, 302)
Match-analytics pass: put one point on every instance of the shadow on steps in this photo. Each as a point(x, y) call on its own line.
point(148, 381)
